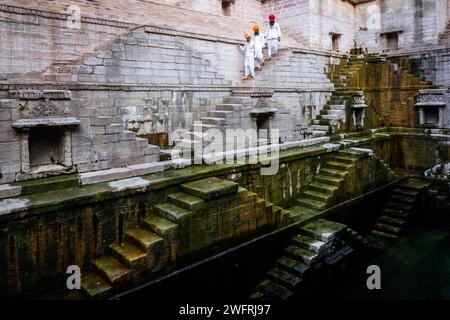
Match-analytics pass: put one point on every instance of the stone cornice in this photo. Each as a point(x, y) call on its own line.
point(14, 87)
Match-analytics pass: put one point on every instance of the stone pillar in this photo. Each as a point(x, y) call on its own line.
point(24, 152)
point(441, 118)
point(354, 118)
point(421, 116)
point(68, 148)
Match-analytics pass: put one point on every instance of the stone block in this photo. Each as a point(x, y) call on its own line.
point(210, 188)
point(9, 191)
point(104, 176)
point(147, 168)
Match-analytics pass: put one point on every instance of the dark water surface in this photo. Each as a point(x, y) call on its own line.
point(417, 267)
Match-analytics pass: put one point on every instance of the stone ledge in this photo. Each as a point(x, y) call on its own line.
point(132, 88)
point(9, 191)
point(45, 122)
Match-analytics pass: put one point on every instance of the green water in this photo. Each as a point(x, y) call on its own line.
point(417, 267)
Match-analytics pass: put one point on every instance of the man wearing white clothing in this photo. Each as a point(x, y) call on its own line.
point(249, 51)
point(273, 36)
point(259, 45)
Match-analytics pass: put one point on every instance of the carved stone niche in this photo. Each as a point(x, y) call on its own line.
point(46, 133)
point(430, 104)
point(358, 109)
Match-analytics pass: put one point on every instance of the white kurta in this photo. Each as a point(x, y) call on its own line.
point(259, 45)
point(273, 33)
point(249, 51)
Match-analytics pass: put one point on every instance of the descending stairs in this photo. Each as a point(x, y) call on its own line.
point(400, 209)
point(166, 233)
point(221, 118)
point(315, 244)
point(141, 250)
point(321, 193)
point(335, 109)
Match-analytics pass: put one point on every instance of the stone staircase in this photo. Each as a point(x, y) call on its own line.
point(172, 229)
point(322, 191)
point(225, 116)
point(317, 243)
point(400, 209)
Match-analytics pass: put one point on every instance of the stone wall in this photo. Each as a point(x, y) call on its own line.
point(60, 230)
point(312, 21)
point(244, 9)
point(418, 22)
point(434, 66)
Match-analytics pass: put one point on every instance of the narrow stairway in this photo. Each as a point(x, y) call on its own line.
point(317, 243)
point(400, 209)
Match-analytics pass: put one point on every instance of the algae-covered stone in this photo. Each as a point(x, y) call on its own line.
point(210, 188)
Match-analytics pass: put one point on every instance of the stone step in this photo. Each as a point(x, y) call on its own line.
point(10, 191)
point(210, 188)
point(413, 184)
point(332, 117)
point(161, 226)
point(300, 254)
point(406, 192)
point(323, 230)
point(172, 212)
point(352, 153)
point(325, 179)
point(186, 201)
point(237, 100)
point(337, 113)
point(316, 195)
point(274, 290)
point(214, 121)
point(344, 159)
point(333, 172)
point(321, 187)
point(388, 229)
point(317, 134)
point(392, 221)
point(144, 239)
point(313, 204)
point(48, 184)
point(383, 235)
point(95, 287)
point(338, 165)
point(403, 199)
point(401, 214)
point(337, 107)
point(302, 213)
point(321, 122)
point(319, 128)
point(284, 278)
point(220, 114)
point(129, 255)
point(293, 266)
point(230, 107)
point(399, 206)
point(112, 269)
point(309, 243)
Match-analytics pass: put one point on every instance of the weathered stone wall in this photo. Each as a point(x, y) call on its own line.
point(434, 66)
point(312, 21)
point(419, 22)
point(40, 245)
point(244, 9)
